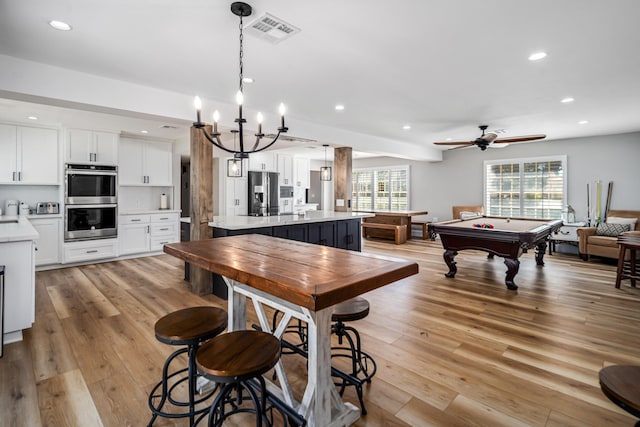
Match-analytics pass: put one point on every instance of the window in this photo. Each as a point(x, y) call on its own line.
point(526, 188)
point(381, 188)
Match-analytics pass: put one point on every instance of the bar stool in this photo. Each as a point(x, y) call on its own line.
point(188, 327)
point(627, 269)
point(236, 359)
point(363, 367)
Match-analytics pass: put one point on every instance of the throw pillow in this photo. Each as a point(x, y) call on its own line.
point(621, 220)
point(469, 215)
point(612, 230)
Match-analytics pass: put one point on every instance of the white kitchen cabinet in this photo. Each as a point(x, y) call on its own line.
point(236, 196)
point(28, 155)
point(86, 146)
point(48, 245)
point(301, 172)
point(19, 291)
point(133, 233)
point(286, 205)
point(285, 169)
point(144, 233)
point(165, 228)
point(145, 163)
point(88, 250)
point(263, 162)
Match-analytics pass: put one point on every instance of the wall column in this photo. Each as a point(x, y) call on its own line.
point(342, 179)
point(201, 202)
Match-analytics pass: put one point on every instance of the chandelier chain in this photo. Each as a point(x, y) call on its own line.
point(241, 53)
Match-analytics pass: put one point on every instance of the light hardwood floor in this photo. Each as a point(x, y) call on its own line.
point(450, 352)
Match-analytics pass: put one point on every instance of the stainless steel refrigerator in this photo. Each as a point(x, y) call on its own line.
point(263, 193)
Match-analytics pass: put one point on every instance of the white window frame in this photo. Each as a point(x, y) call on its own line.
point(521, 162)
point(385, 168)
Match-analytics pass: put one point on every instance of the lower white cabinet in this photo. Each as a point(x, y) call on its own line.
point(19, 287)
point(147, 232)
point(87, 250)
point(133, 233)
point(48, 245)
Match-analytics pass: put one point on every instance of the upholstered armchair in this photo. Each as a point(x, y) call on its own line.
point(592, 243)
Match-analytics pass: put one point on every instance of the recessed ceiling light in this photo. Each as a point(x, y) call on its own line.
point(32, 118)
point(537, 56)
point(247, 80)
point(339, 107)
point(583, 122)
point(448, 139)
point(567, 100)
point(406, 127)
point(59, 25)
point(144, 131)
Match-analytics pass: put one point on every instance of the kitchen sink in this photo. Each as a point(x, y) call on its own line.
point(8, 221)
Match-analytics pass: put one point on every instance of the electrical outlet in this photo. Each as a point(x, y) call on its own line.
point(435, 219)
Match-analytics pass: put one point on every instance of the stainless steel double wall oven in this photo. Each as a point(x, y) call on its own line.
point(91, 202)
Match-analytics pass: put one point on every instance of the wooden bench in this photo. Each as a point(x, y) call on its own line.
point(399, 230)
point(423, 225)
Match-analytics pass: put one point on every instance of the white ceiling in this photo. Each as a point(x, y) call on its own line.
point(443, 67)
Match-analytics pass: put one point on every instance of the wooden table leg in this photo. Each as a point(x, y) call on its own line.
point(621, 254)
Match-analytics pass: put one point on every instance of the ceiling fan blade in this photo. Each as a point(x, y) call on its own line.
point(455, 143)
point(519, 139)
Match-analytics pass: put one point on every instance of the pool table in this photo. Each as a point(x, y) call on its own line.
point(508, 238)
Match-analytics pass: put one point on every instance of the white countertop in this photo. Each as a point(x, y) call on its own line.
point(16, 231)
point(244, 222)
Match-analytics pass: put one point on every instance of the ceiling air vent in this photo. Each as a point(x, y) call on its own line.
point(270, 28)
point(284, 137)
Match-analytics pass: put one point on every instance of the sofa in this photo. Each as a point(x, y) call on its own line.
point(590, 243)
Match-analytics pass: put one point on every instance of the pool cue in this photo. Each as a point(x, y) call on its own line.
point(608, 205)
point(588, 206)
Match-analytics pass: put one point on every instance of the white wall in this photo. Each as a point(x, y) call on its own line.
point(458, 179)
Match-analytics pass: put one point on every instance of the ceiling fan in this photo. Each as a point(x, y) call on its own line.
point(486, 139)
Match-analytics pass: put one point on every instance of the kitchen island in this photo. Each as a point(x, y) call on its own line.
point(17, 255)
point(335, 229)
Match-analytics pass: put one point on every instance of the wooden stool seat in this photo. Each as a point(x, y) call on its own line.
point(238, 359)
point(238, 355)
point(348, 311)
point(191, 324)
point(621, 384)
point(189, 328)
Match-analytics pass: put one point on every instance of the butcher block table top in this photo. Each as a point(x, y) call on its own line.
point(311, 276)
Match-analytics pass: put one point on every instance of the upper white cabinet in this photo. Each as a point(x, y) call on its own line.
point(301, 172)
point(28, 155)
point(263, 162)
point(285, 169)
point(145, 163)
point(86, 146)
